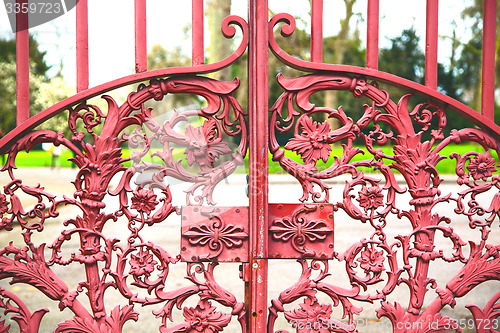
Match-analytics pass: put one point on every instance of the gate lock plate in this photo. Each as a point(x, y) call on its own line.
point(295, 231)
point(300, 231)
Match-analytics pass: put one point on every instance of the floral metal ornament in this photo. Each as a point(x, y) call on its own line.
point(482, 166)
point(312, 143)
point(369, 173)
point(371, 198)
point(219, 234)
point(372, 261)
point(136, 267)
point(204, 146)
point(144, 201)
point(203, 318)
point(311, 317)
point(216, 236)
point(142, 263)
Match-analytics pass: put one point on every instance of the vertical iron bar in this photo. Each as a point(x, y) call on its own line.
point(82, 46)
point(488, 66)
point(22, 65)
point(258, 178)
point(141, 62)
point(372, 34)
point(198, 48)
point(431, 44)
point(317, 31)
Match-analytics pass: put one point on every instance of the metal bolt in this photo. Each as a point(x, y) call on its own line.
point(330, 216)
point(193, 258)
point(255, 265)
point(184, 217)
point(330, 246)
point(195, 209)
point(237, 259)
point(280, 206)
point(321, 206)
point(237, 211)
point(183, 248)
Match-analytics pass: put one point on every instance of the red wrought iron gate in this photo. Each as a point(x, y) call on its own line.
point(400, 220)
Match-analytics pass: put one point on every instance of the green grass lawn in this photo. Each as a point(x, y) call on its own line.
point(40, 158)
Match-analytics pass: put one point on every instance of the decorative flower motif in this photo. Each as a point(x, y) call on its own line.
point(371, 197)
point(142, 263)
point(372, 260)
point(482, 167)
point(312, 317)
point(203, 146)
point(299, 230)
point(203, 318)
point(4, 204)
point(312, 143)
point(144, 200)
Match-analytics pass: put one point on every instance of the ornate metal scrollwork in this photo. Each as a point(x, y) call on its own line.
point(136, 264)
point(300, 231)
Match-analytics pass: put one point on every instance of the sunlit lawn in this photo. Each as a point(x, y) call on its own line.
point(40, 158)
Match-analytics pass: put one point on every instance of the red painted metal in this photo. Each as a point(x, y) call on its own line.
point(367, 201)
point(317, 30)
point(214, 233)
point(455, 106)
point(258, 163)
point(431, 44)
point(382, 77)
point(488, 66)
point(227, 30)
point(22, 65)
point(141, 61)
point(143, 205)
point(198, 52)
point(82, 46)
point(202, 147)
point(372, 32)
point(298, 231)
